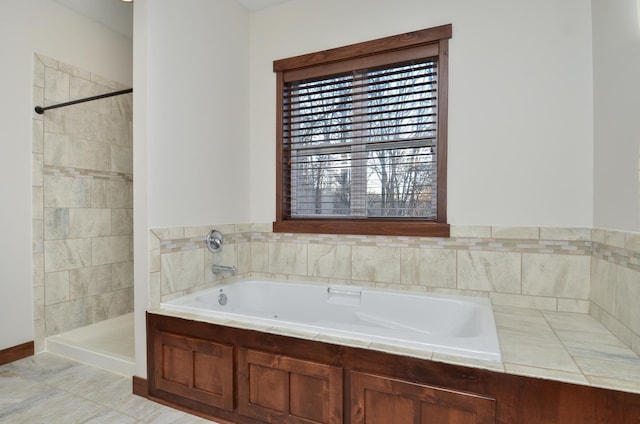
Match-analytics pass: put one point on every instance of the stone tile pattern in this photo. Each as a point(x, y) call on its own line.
point(82, 201)
point(549, 269)
point(549, 274)
point(615, 284)
point(46, 388)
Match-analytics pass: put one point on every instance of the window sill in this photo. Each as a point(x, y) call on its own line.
point(363, 227)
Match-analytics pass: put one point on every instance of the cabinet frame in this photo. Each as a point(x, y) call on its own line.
point(525, 400)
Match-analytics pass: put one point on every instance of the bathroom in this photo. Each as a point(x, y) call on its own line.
point(557, 77)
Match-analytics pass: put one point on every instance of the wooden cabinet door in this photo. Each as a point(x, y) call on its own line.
point(195, 369)
point(382, 400)
point(276, 388)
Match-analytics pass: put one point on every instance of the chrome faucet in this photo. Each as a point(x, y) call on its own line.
point(221, 269)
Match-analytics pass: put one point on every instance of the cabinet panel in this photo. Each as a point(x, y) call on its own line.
point(383, 400)
point(281, 389)
point(195, 369)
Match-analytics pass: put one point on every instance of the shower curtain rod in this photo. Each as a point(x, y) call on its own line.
point(40, 110)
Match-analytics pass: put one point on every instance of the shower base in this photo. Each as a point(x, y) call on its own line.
point(107, 344)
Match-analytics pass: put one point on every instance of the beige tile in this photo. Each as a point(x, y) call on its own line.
point(616, 369)
point(489, 271)
point(598, 235)
point(536, 352)
point(37, 99)
point(181, 270)
point(561, 233)
point(37, 136)
point(65, 316)
point(38, 71)
point(574, 305)
point(109, 250)
point(262, 227)
point(121, 221)
point(614, 384)
point(567, 377)
point(67, 254)
point(566, 321)
point(155, 290)
point(614, 238)
point(515, 322)
point(38, 302)
point(523, 301)
point(89, 281)
point(37, 235)
point(603, 283)
point(632, 241)
point(37, 263)
point(111, 194)
point(329, 260)
point(556, 275)
point(627, 308)
point(428, 267)
point(244, 257)
point(37, 203)
point(85, 222)
point(288, 258)
point(122, 275)
point(67, 192)
point(86, 154)
point(527, 233)
point(376, 264)
point(618, 329)
point(80, 86)
point(37, 177)
point(56, 223)
point(259, 257)
point(122, 159)
point(56, 149)
point(199, 231)
point(56, 287)
point(56, 86)
point(110, 129)
point(465, 231)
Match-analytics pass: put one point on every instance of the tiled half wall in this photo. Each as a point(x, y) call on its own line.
point(555, 269)
point(82, 201)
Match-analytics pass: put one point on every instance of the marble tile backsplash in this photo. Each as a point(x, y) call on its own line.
point(82, 201)
point(552, 269)
point(550, 274)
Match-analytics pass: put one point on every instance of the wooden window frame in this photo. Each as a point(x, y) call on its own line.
point(362, 54)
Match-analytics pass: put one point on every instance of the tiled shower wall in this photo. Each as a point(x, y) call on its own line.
point(557, 269)
point(82, 201)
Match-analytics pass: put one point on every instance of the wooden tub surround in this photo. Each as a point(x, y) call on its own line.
point(235, 375)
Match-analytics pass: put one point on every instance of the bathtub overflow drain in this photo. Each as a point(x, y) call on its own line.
point(222, 299)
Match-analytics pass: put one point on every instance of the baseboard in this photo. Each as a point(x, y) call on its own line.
point(140, 386)
point(16, 352)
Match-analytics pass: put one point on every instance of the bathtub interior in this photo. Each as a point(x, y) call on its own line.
point(454, 325)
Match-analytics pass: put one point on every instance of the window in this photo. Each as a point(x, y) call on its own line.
point(362, 138)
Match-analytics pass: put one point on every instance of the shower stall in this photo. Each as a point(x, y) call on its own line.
point(82, 215)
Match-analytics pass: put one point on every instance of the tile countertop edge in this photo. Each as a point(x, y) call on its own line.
point(570, 372)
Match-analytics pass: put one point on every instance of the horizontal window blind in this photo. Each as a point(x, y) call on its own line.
point(362, 144)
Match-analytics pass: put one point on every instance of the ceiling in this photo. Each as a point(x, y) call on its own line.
point(118, 16)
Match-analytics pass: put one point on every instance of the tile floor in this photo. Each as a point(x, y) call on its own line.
point(47, 388)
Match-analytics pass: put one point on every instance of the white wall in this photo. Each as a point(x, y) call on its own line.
point(520, 106)
point(198, 119)
point(616, 64)
point(191, 126)
point(28, 27)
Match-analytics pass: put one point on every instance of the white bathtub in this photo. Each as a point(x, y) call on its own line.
point(454, 325)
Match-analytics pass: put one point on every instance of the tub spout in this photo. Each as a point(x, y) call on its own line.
point(221, 269)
